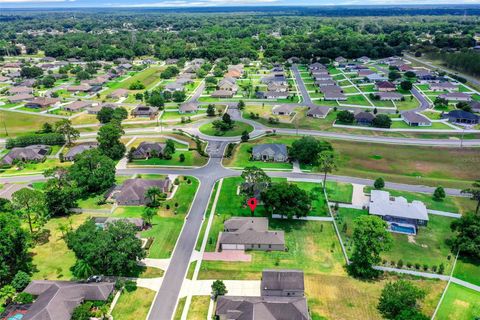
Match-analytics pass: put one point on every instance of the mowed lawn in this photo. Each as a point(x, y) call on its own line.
point(18, 124)
point(148, 76)
point(192, 158)
point(467, 269)
point(168, 223)
point(198, 308)
point(428, 247)
point(339, 192)
point(238, 128)
point(133, 305)
point(459, 303)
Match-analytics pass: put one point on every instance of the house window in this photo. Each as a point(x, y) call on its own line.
point(269, 246)
point(258, 246)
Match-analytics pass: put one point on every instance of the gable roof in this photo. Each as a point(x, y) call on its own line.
point(57, 299)
point(29, 153)
point(413, 117)
point(283, 280)
point(78, 149)
point(271, 149)
point(133, 190)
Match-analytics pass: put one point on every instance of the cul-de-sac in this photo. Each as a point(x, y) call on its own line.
point(243, 160)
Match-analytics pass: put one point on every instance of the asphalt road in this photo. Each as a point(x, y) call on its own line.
point(301, 86)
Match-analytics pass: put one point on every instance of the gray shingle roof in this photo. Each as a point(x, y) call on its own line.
point(57, 299)
point(133, 190)
point(282, 280)
point(271, 149)
point(78, 149)
point(29, 153)
point(252, 232)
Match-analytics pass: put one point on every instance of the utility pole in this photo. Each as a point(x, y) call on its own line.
point(461, 139)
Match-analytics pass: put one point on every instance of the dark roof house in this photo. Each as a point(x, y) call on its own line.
point(270, 152)
point(145, 111)
point(416, 120)
point(56, 300)
point(147, 149)
point(364, 118)
point(133, 191)
point(282, 283)
point(462, 117)
point(34, 153)
point(78, 149)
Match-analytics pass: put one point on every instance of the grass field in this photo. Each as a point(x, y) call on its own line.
point(339, 192)
point(237, 130)
point(16, 124)
point(407, 164)
point(459, 303)
point(428, 247)
point(149, 77)
point(179, 310)
point(468, 270)
point(198, 308)
point(133, 305)
point(192, 158)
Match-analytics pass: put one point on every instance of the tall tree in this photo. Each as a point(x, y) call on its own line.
point(307, 149)
point(65, 127)
point(92, 172)
point(370, 239)
point(14, 246)
point(31, 205)
point(154, 195)
point(109, 140)
point(286, 200)
point(327, 163)
point(467, 235)
point(61, 193)
point(474, 191)
point(399, 296)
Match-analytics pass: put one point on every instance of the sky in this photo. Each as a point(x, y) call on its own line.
point(213, 3)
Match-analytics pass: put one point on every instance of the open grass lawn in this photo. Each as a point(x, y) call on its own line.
point(192, 158)
point(459, 303)
point(367, 88)
point(319, 203)
point(18, 124)
point(427, 247)
point(85, 118)
point(133, 305)
point(179, 310)
point(449, 204)
point(357, 99)
point(350, 90)
point(167, 224)
point(175, 115)
point(53, 259)
point(199, 308)
point(312, 247)
point(237, 130)
point(408, 104)
point(339, 192)
point(407, 164)
point(339, 297)
point(93, 203)
point(265, 112)
point(468, 269)
point(149, 77)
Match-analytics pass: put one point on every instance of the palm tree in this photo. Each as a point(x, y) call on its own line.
point(82, 270)
point(154, 194)
point(326, 164)
point(474, 191)
point(148, 214)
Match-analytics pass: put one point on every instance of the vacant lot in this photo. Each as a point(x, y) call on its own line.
point(468, 270)
point(133, 305)
point(16, 124)
point(199, 308)
point(459, 303)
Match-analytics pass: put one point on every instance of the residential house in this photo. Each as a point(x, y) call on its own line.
point(56, 300)
point(271, 95)
point(325, 83)
point(365, 72)
point(282, 298)
point(283, 110)
point(424, 75)
point(402, 216)
point(340, 60)
point(145, 111)
point(189, 107)
point(77, 106)
point(242, 233)
point(456, 96)
point(389, 96)
point(333, 93)
point(276, 87)
point(475, 105)
point(316, 66)
point(174, 86)
point(42, 102)
point(171, 61)
point(20, 90)
point(462, 117)
point(223, 94)
point(20, 97)
point(443, 86)
point(385, 86)
point(364, 118)
point(282, 283)
point(414, 119)
point(78, 149)
point(133, 191)
point(270, 152)
point(363, 59)
point(96, 109)
point(318, 112)
point(146, 150)
point(375, 77)
point(405, 68)
point(33, 153)
point(117, 94)
point(80, 88)
point(228, 84)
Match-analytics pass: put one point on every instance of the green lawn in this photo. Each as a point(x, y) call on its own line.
point(35, 167)
point(179, 310)
point(339, 192)
point(18, 124)
point(315, 190)
point(427, 247)
point(192, 158)
point(237, 130)
point(167, 224)
point(358, 100)
point(468, 269)
point(242, 157)
point(435, 126)
point(133, 305)
point(312, 247)
point(175, 115)
point(199, 308)
point(459, 303)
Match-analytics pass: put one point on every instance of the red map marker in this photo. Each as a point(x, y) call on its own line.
point(252, 203)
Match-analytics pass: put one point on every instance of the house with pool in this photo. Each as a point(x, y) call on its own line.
point(401, 216)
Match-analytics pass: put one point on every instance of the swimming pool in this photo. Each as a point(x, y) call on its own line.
point(403, 229)
point(17, 316)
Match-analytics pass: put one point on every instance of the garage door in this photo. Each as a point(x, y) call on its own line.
point(233, 246)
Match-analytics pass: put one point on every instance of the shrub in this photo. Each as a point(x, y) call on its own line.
point(44, 138)
point(20, 281)
point(441, 268)
point(400, 263)
point(417, 265)
point(130, 285)
point(434, 268)
point(409, 264)
point(24, 298)
point(425, 267)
